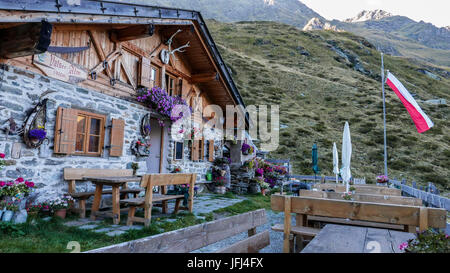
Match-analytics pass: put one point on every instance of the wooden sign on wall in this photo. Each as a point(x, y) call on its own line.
point(56, 67)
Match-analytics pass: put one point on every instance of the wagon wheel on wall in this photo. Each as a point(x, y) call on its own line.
point(36, 119)
point(145, 126)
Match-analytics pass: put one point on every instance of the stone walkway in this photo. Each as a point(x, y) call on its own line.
point(203, 204)
point(276, 238)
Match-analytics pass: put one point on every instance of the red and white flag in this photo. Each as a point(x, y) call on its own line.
point(421, 120)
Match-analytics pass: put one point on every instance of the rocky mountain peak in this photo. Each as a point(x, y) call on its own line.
point(317, 24)
point(367, 15)
point(269, 2)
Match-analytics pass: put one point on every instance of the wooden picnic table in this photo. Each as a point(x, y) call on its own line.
point(351, 239)
point(115, 182)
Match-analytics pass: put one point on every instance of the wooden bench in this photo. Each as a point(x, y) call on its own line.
point(408, 216)
point(365, 189)
point(195, 237)
point(73, 175)
point(149, 181)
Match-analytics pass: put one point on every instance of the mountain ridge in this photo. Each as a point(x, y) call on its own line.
point(396, 35)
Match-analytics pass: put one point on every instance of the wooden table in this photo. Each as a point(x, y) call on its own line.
point(115, 183)
point(350, 239)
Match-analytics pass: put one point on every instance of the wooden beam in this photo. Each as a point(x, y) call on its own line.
point(250, 245)
point(365, 211)
point(366, 189)
point(25, 40)
point(373, 198)
point(204, 77)
point(132, 33)
point(100, 53)
point(191, 238)
point(287, 224)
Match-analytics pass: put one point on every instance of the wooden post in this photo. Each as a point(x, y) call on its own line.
point(116, 204)
point(300, 221)
point(191, 192)
point(423, 219)
point(97, 200)
point(287, 224)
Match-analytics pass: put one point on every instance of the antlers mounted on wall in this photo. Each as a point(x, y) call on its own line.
point(179, 49)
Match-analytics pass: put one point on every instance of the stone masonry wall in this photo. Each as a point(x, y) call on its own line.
point(20, 91)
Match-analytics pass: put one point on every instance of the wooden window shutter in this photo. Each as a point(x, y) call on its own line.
point(195, 150)
point(117, 137)
point(145, 70)
point(202, 149)
point(211, 150)
point(65, 131)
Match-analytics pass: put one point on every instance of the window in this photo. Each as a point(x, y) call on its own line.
point(179, 150)
point(90, 133)
point(154, 76)
point(170, 85)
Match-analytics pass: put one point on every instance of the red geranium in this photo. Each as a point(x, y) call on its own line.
point(2, 155)
point(20, 180)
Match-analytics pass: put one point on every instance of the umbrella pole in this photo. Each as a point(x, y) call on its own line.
point(337, 180)
point(384, 115)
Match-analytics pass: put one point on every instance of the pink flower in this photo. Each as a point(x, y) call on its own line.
point(403, 246)
point(20, 180)
point(2, 155)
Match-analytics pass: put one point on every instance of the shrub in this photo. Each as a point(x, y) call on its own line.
point(428, 242)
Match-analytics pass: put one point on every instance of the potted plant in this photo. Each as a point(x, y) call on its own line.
point(2, 162)
point(347, 196)
point(2, 208)
point(34, 210)
point(262, 184)
point(11, 208)
point(352, 189)
point(177, 170)
point(60, 205)
point(220, 185)
point(45, 209)
point(135, 167)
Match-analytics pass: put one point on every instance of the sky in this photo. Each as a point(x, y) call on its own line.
point(436, 12)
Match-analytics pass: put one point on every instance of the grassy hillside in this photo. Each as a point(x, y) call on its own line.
point(322, 79)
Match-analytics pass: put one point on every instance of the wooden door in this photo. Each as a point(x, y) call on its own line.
point(154, 159)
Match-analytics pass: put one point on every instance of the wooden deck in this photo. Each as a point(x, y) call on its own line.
point(351, 239)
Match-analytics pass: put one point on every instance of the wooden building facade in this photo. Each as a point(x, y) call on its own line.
point(87, 62)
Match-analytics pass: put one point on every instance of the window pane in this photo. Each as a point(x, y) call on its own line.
point(179, 150)
point(79, 145)
point(95, 126)
point(94, 144)
point(81, 124)
point(153, 74)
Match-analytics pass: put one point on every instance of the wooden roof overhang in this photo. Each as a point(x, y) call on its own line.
point(203, 53)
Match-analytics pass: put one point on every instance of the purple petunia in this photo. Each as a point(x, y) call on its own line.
point(163, 103)
point(39, 134)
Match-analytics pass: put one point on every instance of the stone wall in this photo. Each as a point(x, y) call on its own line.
point(20, 91)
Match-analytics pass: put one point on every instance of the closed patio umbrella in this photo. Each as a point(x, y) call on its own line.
point(315, 160)
point(335, 162)
point(346, 156)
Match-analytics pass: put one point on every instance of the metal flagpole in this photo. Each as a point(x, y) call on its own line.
point(384, 116)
